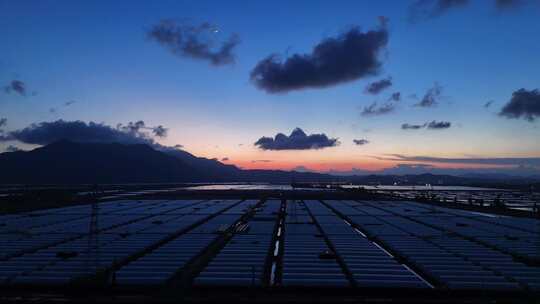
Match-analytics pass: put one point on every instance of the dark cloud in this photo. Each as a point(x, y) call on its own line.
point(523, 104)
point(396, 96)
point(507, 4)
point(374, 109)
point(438, 125)
point(432, 97)
point(160, 131)
point(298, 140)
point(3, 122)
point(360, 142)
point(407, 126)
point(178, 146)
point(16, 86)
point(350, 56)
point(68, 103)
point(488, 103)
point(78, 131)
point(194, 41)
point(225, 159)
point(378, 86)
point(421, 10)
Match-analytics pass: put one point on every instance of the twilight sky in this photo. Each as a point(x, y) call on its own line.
point(446, 86)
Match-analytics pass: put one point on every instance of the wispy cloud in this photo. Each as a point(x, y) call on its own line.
point(407, 126)
point(378, 86)
point(195, 41)
point(511, 161)
point(16, 86)
point(375, 110)
point(432, 125)
point(432, 97)
point(421, 10)
point(360, 142)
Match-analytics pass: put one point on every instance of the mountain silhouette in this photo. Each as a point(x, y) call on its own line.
point(66, 162)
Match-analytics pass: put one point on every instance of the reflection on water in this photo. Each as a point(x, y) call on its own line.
point(367, 187)
point(420, 188)
point(245, 187)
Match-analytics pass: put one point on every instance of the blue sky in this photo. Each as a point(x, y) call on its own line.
point(97, 54)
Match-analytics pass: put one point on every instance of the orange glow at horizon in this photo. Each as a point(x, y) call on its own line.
point(367, 165)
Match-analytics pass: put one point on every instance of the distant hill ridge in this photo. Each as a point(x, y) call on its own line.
point(67, 162)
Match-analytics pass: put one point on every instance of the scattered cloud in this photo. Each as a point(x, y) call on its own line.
point(378, 86)
point(132, 127)
point(421, 10)
point(261, 161)
point(396, 96)
point(78, 131)
point(438, 125)
point(298, 140)
point(488, 103)
point(178, 146)
point(225, 159)
point(66, 104)
point(16, 86)
point(407, 126)
point(360, 142)
point(375, 110)
point(433, 125)
point(350, 56)
point(432, 97)
point(160, 131)
point(195, 41)
point(523, 104)
point(3, 122)
point(137, 126)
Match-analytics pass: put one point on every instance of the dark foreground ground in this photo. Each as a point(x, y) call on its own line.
point(267, 246)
